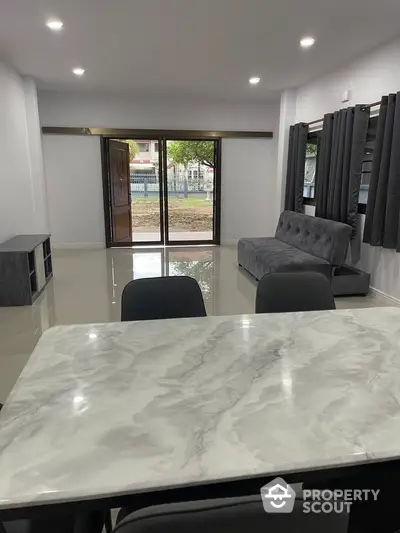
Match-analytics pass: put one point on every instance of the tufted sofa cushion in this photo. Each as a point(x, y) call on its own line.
point(301, 243)
point(319, 237)
point(264, 255)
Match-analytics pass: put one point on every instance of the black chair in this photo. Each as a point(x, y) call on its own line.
point(164, 297)
point(20, 526)
point(91, 522)
point(235, 515)
point(283, 292)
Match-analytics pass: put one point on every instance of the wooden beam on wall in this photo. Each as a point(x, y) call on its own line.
point(174, 134)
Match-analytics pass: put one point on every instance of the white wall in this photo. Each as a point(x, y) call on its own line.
point(248, 205)
point(22, 196)
point(248, 166)
point(74, 189)
point(85, 110)
point(286, 119)
point(39, 194)
point(368, 77)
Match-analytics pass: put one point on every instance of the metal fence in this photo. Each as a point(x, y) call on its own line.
point(147, 185)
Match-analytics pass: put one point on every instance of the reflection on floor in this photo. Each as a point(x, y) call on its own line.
point(87, 288)
point(153, 236)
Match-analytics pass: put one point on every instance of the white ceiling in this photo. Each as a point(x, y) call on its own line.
point(204, 49)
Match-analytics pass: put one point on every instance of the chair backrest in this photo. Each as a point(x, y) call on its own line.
point(164, 297)
point(17, 526)
point(322, 238)
point(283, 292)
point(229, 514)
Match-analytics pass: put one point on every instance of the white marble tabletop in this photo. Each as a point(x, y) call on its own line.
point(112, 409)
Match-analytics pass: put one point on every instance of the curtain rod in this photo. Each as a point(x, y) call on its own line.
point(366, 106)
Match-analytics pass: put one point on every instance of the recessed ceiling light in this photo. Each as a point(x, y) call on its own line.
point(255, 80)
point(55, 25)
point(307, 42)
point(78, 71)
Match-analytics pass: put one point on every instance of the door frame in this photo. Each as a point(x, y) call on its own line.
point(106, 177)
point(216, 194)
point(163, 190)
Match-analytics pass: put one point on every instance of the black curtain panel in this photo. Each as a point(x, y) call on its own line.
point(323, 165)
point(340, 163)
point(295, 168)
point(383, 208)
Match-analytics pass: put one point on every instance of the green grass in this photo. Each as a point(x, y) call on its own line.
point(189, 202)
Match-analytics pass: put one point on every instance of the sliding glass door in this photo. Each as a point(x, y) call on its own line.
point(146, 191)
point(189, 179)
point(173, 190)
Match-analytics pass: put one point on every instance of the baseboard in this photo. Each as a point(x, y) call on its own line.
point(229, 242)
point(381, 293)
point(77, 245)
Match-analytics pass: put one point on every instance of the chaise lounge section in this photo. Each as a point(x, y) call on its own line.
point(301, 243)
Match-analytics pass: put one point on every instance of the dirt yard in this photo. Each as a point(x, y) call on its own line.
point(184, 214)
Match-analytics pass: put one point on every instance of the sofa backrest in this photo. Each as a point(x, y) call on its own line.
point(320, 237)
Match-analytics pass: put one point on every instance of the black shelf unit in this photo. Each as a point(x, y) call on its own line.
point(25, 269)
point(48, 268)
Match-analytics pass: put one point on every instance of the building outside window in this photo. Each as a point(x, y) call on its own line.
point(143, 147)
point(310, 169)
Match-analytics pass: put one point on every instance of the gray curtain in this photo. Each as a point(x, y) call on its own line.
point(383, 208)
point(340, 163)
point(323, 164)
point(295, 169)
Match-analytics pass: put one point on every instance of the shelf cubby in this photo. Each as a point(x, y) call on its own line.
point(25, 267)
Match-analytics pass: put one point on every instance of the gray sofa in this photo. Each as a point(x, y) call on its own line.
point(301, 242)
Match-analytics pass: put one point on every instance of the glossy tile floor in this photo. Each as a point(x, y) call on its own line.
point(87, 288)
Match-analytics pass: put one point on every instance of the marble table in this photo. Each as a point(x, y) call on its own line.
point(106, 410)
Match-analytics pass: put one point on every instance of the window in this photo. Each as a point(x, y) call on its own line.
point(156, 147)
point(367, 163)
point(144, 147)
point(310, 169)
